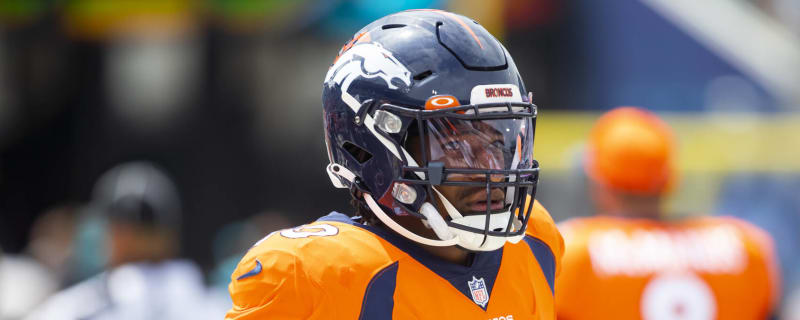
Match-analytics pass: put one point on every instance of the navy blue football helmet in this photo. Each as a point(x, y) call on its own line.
point(424, 100)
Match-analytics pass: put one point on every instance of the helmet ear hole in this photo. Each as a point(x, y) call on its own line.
point(358, 153)
point(392, 26)
point(423, 75)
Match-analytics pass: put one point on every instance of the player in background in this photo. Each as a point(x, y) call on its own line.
point(632, 261)
point(427, 125)
point(143, 278)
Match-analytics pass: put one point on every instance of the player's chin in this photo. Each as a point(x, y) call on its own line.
point(474, 212)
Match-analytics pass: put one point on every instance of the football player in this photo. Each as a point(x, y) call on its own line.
point(632, 262)
point(144, 279)
point(427, 125)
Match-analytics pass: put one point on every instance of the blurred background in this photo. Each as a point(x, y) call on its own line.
point(223, 98)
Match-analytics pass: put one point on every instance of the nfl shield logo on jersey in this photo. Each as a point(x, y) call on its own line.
point(477, 287)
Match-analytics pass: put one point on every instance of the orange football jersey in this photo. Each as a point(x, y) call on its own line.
point(698, 268)
point(336, 268)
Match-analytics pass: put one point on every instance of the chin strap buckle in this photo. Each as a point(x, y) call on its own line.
point(339, 174)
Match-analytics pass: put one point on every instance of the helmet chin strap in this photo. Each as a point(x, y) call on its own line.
point(336, 171)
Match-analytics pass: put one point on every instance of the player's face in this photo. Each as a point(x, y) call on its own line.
point(471, 144)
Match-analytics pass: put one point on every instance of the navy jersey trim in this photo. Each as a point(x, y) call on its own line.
point(485, 265)
point(378, 300)
point(545, 257)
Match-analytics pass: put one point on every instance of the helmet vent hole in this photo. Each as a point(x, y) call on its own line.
point(423, 75)
point(497, 229)
point(358, 153)
point(392, 26)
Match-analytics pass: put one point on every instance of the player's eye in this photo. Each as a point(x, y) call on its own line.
point(452, 145)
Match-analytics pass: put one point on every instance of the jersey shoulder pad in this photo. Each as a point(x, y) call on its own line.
point(291, 270)
point(326, 243)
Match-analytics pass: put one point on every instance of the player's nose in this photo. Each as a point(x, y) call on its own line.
point(486, 159)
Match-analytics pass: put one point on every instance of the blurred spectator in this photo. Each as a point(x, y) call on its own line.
point(143, 277)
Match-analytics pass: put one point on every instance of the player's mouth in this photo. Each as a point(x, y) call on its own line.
point(480, 206)
point(477, 203)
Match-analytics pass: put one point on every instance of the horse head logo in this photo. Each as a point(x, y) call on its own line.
point(367, 60)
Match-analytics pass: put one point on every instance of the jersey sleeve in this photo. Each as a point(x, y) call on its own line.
point(272, 284)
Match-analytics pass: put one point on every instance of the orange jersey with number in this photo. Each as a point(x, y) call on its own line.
point(335, 268)
point(699, 268)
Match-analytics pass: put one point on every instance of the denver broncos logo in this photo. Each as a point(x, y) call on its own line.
point(367, 60)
